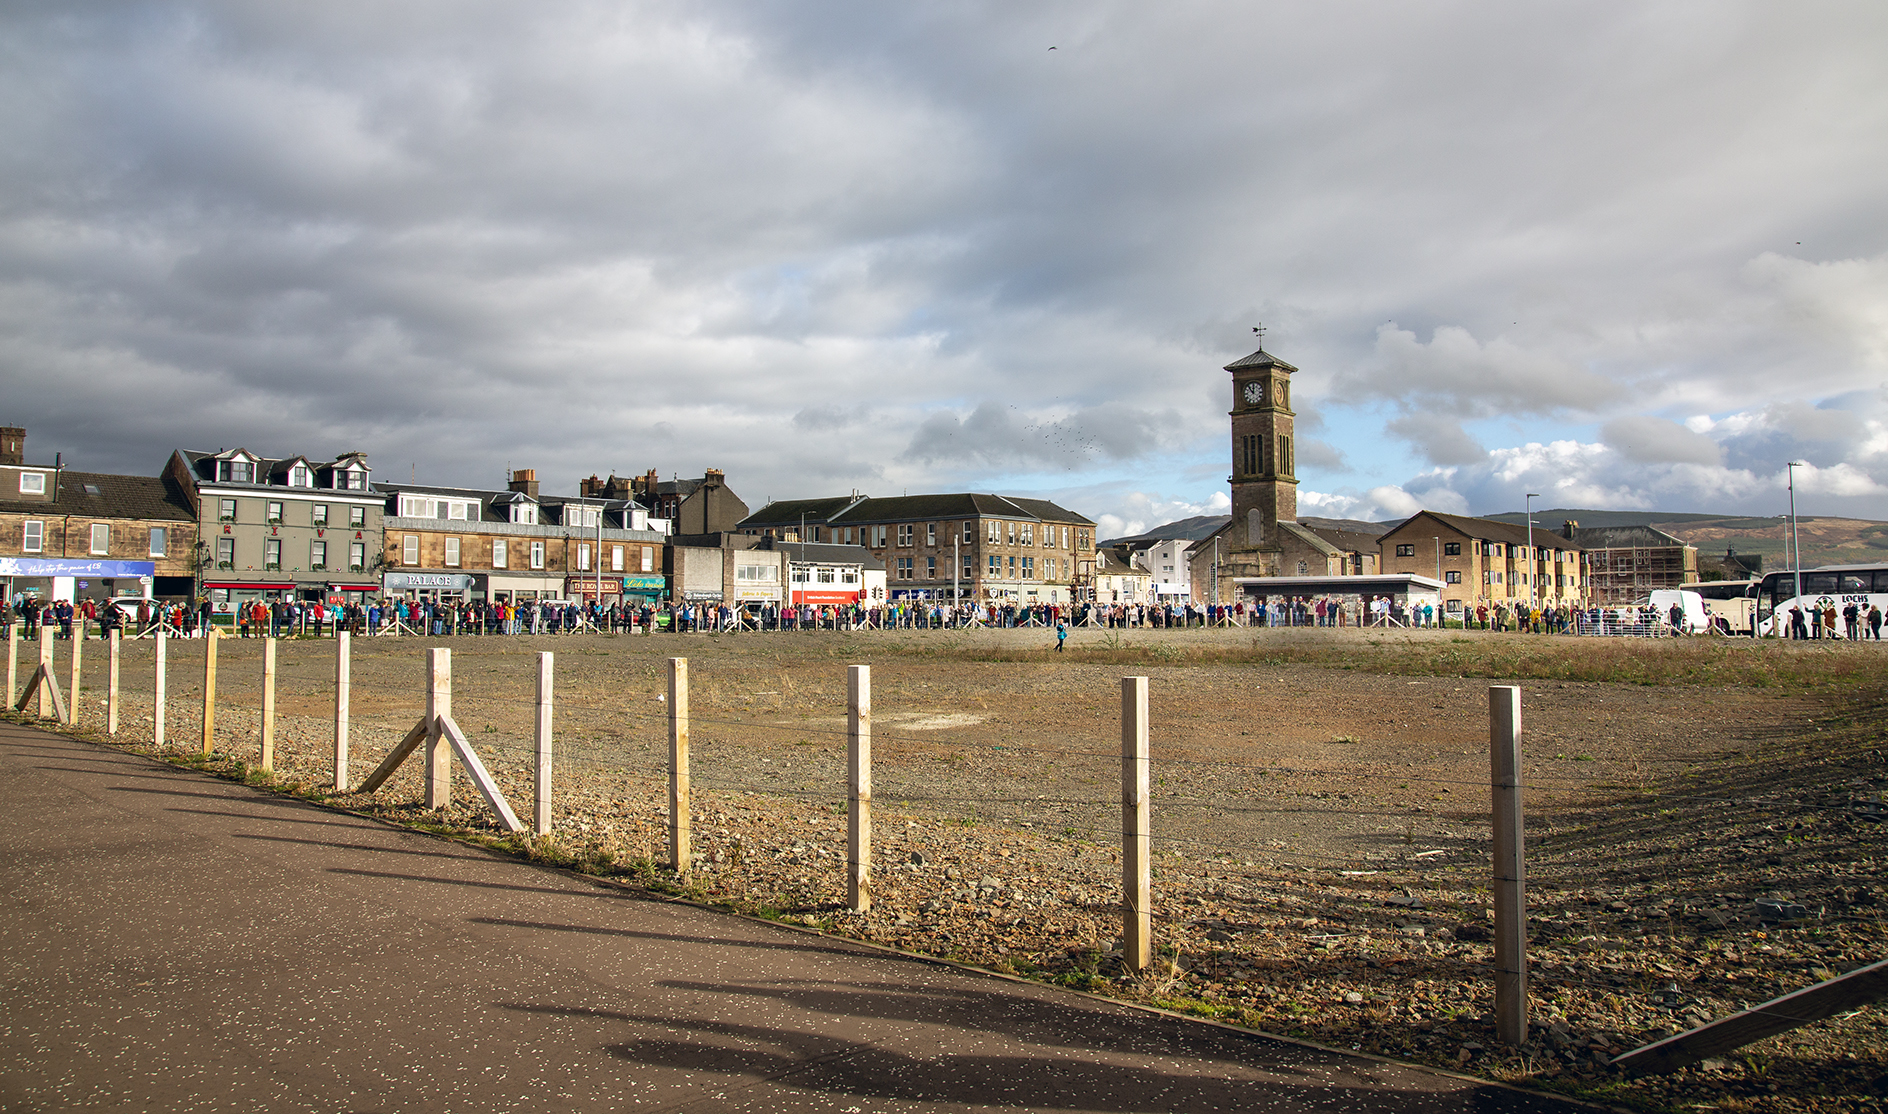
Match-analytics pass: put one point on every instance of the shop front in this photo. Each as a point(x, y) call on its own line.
point(54, 578)
point(227, 595)
point(645, 591)
point(585, 589)
point(514, 588)
point(455, 587)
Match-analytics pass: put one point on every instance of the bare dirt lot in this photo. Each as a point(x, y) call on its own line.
point(1320, 814)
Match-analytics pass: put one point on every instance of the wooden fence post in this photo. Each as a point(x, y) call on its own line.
point(1510, 869)
point(157, 688)
point(111, 684)
point(859, 768)
point(78, 652)
point(209, 689)
point(45, 662)
point(438, 703)
point(541, 782)
point(678, 764)
point(343, 668)
point(268, 704)
point(1137, 926)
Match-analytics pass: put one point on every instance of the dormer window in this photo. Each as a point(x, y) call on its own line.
point(32, 483)
point(239, 472)
point(584, 518)
point(524, 514)
point(350, 479)
point(300, 476)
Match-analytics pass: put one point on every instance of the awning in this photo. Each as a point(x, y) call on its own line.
point(259, 585)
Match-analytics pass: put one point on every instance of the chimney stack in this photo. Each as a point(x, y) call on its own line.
point(714, 477)
point(12, 445)
point(525, 481)
point(1567, 530)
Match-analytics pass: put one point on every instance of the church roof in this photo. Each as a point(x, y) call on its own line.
point(1261, 358)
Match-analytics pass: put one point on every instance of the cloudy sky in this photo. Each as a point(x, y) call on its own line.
point(1629, 256)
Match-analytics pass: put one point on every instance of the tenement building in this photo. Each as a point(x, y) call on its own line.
point(1484, 562)
point(281, 528)
point(67, 535)
point(464, 544)
point(965, 546)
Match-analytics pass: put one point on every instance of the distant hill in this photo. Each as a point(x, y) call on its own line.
point(1204, 526)
point(1826, 541)
point(1188, 529)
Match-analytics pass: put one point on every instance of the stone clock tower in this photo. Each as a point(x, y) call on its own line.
point(1264, 473)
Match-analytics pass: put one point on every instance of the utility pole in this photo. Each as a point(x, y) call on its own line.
point(1533, 571)
point(1796, 541)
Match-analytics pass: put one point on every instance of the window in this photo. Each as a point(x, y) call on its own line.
point(930, 533)
point(300, 476)
point(878, 535)
point(824, 576)
point(160, 540)
point(1029, 568)
point(275, 514)
point(537, 555)
point(849, 576)
point(1011, 532)
point(33, 483)
point(1451, 549)
point(757, 574)
point(905, 531)
point(226, 510)
point(996, 565)
point(33, 536)
point(357, 517)
point(930, 568)
point(583, 556)
point(1497, 578)
point(970, 533)
point(1452, 577)
point(1495, 550)
point(351, 479)
point(584, 518)
point(1012, 566)
point(904, 568)
point(524, 514)
point(616, 558)
point(996, 531)
point(357, 556)
point(452, 553)
point(318, 555)
point(498, 553)
point(272, 553)
point(970, 566)
point(226, 553)
point(648, 559)
point(239, 471)
point(410, 550)
point(1029, 533)
point(101, 539)
point(319, 514)
point(1406, 551)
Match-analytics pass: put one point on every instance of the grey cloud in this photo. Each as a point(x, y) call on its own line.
point(1321, 455)
point(996, 435)
point(822, 419)
point(1440, 439)
point(1649, 440)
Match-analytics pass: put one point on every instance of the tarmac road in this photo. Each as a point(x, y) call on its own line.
point(172, 942)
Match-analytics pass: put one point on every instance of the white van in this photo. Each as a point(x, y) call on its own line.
point(1691, 604)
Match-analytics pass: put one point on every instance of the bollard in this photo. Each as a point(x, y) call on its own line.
point(678, 764)
point(268, 704)
point(541, 783)
point(343, 666)
point(438, 752)
point(157, 689)
point(111, 685)
point(859, 768)
point(45, 662)
point(1137, 926)
point(13, 664)
point(73, 690)
point(209, 690)
point(1510, 873)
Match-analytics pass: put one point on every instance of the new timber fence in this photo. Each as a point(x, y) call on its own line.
point(1200, 872)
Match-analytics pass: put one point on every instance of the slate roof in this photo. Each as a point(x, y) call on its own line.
point(1350, 541)
point(1487, 529)
point(102, 495)
point(1624, 537)
point(550, 507)
point(824, 553)
point(787, 512)
point(906, 508)
point(1261, 358)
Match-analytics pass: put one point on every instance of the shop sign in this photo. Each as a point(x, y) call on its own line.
point(702, 595)
point(645, 583)
point(440, 581)
point(612, 586)
point(756, 595)
point(56, 566)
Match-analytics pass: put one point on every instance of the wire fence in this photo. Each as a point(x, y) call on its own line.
point(1316, 896)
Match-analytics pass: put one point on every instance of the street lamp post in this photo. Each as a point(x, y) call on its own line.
point(1533, 570)
point(1796, 540)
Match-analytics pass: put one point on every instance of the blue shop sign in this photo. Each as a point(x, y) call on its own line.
point(60, 566)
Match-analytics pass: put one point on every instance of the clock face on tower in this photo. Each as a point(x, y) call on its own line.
point(1255, 392)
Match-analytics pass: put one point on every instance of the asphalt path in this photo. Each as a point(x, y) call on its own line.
point(172, 942)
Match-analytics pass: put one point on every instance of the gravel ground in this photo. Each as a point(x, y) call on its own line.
point(1321, 832)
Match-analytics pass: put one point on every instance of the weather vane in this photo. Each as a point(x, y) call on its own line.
point(1259, 331)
